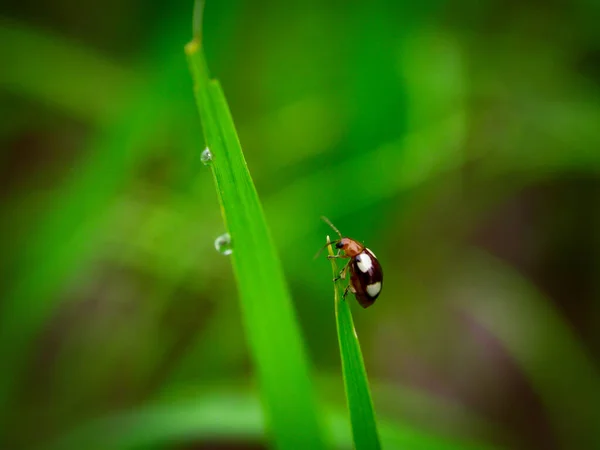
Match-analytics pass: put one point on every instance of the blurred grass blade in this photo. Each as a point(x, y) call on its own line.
point(542, 344)
point(362, 416)
point(270, 323)
point(21, 70)
point(65, 236)
point(225, 416)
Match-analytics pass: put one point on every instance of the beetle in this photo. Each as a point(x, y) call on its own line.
point(366, 275)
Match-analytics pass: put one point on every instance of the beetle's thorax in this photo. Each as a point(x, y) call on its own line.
point(351, 247)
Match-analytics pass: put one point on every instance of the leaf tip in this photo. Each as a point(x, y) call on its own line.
point(193, 46)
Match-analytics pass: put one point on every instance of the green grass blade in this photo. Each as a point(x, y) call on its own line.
point(362, 415)
point(271, 328)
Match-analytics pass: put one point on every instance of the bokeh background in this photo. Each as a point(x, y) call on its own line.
point(459, 140)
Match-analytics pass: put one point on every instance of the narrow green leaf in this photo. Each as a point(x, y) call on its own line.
point(272, 330)
point(362, 415)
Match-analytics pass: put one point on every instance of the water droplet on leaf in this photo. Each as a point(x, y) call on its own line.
point(206, 156)
point(223, 244)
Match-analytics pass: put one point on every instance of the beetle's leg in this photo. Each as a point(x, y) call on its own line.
point(348, 288)
point(337, 255)
point(342, 274)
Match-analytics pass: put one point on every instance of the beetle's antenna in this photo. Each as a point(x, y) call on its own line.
point(328, 222)
point(322, 248)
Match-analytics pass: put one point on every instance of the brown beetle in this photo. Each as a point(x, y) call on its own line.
point(366, 276)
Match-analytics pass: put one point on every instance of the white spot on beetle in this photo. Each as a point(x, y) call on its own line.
point(374, 289)
point(363, 260)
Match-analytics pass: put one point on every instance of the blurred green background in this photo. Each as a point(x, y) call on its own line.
point(459, 140)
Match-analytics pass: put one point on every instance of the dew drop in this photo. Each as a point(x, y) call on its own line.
point(206, 156)
point(223, 244)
